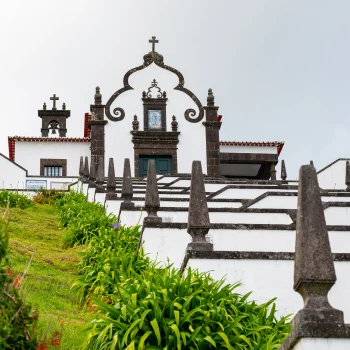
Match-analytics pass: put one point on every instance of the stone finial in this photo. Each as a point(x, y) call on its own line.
point(86, 169)
point(135, 123)
point(210, 98)
point(92, 178)
point(127, 191)
point(152, 202)
point(64, 106)
point(100, 176)
point(312, 163)
point(198, 216)
point(44, 106)
point(283, 171)
point(347, 176)
point(174, 124)
point(164, 94)
point(314, 273)
point(81, 167)
point(98, 96)
point(111, 186)
point(273, 171)
point(144, 95)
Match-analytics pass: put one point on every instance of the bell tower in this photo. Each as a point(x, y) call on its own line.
point(54, 120)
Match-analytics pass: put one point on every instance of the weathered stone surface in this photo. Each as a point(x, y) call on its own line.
point(81, 167)
point(198, 215)
point(100, 176)
point(111, 185)
point(347, 176)
point(86, 170)
point(314, 273)
point(92, 182)
point(127, 191)
point(152, 202)
point(283, 171)
point(273, 171)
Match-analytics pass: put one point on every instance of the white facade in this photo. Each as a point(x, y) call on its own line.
point(333, 176)
point(28, 154)
point(12, 175)
point(118, 140)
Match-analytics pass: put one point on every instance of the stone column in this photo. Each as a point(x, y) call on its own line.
point(97, 124)
point(314, 272)
point(86, 171)
point(347, 176)
point(198, 215)
point(111, 186)
point(283, 171)
point(273, 171)
point(152, 202)
point(127, 191)
point(212, 133)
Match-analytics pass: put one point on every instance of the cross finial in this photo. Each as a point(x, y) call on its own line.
point(153, 41)
point(54, 99)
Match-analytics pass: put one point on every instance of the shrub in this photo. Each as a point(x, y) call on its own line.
point(160, 308)
point(14, 199)
point(80, 219)
point(109, 258)
point(17, 321)
point(44, 196)
point(145, 306)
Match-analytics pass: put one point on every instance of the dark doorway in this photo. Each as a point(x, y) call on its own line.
point(163, 164)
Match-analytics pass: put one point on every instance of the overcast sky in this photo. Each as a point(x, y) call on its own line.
point(279, 69)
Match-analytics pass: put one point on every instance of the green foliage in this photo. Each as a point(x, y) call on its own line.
point(17, 321)
point(161, 309)
point(44, 196)
point(145, 306)
point(52, 272)
point(109, 258)
point(80, 219)
point(14, 199)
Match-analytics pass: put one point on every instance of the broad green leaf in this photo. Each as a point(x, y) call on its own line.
point(155, 327)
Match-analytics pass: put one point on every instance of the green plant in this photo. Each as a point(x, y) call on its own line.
point(161, 309)
point(17, 321)
point(145, 306)
point(14, 199)
point(80, 219)
point(109, 258)
point(44, 196)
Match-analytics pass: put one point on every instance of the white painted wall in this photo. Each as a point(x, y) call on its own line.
point(274, 278)
point(277, 202)
point(192, 143)
point(11, 176)
point(112, 207)
point(28, 154)
point(322, 344)
point(132, 218)
point(163, 244)
point(337, 216)
point(100, 198)
point(91, 194)
point(248, 149)
point(246, 193)
point(333, 177)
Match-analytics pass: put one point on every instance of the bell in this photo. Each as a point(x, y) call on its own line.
point(53, 131)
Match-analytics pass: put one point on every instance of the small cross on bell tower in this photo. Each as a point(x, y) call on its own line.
point(153, 41)
point(54, 120)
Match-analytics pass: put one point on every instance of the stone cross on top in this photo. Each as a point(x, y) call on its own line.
point(54, 99)
point(153, 41)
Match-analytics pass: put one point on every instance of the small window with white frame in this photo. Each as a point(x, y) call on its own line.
point(52, 171)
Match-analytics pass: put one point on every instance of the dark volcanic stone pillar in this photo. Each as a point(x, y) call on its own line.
point(212, 133)
point(97, 124)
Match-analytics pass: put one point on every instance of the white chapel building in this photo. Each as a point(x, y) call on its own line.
point(152, 115)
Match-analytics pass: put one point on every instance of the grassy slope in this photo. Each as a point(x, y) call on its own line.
point(51, 273)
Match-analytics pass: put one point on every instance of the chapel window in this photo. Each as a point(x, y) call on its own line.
point(52, 171)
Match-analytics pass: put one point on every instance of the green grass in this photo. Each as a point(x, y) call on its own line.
point(34, 231)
